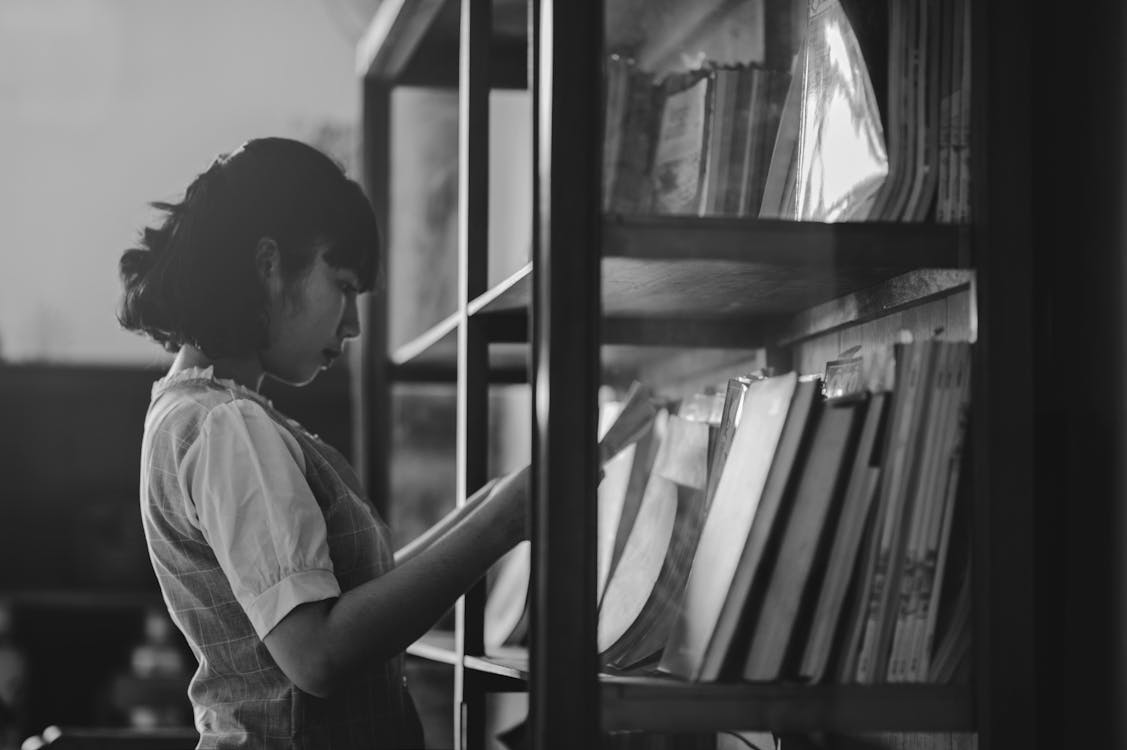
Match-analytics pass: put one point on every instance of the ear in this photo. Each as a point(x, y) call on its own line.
point(267, 261)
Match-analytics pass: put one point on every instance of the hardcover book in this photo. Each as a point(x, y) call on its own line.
point(766, 405)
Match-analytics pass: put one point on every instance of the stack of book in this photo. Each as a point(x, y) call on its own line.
point(781, 534)
point(814, 143)
point(696, 143)
point(788, 528)
point(927, 113)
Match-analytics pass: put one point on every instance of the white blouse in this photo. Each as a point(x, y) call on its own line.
point(244, 482)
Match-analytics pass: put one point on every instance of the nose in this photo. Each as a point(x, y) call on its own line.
point(350, 321)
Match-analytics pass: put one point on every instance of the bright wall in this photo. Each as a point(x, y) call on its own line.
point(106, 105)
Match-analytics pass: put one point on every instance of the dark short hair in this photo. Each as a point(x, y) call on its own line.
point(193, 279)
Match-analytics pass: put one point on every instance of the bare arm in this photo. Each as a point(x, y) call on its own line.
point(447, 522)
point(318, 644)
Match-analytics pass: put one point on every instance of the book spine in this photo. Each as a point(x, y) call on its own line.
point(924, 505)
point(964, 210)
point(925, 629)
point(630, 190)
point(616, 77)
point(938, 452)
point(736, 154)
point(872, 661)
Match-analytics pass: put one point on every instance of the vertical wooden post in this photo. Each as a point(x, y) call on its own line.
point(1004, 394)
point(370, 380)
point(564, 698)
point(473, 364)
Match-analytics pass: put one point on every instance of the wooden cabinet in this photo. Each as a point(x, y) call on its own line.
point(606, 297)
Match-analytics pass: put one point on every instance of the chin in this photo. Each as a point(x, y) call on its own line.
point(296, 379)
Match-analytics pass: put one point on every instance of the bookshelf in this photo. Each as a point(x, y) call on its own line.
point(613, 293)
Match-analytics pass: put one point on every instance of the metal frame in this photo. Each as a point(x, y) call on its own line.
point(473, 353)
point(564, 703)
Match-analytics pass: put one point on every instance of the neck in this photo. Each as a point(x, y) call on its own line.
point(246, 371)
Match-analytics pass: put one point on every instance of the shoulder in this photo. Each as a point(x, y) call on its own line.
point(193, 412)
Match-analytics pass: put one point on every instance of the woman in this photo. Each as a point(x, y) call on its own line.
point(271, 561)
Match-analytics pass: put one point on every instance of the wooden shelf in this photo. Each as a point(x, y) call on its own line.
point(705, 282)
point(737, 284)
point(657, 703)
point(808, 245)
point(436, 646)
point(415, 43)
point(433, 355)
point(510, 663)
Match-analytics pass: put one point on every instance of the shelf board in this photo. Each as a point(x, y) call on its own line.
point(509, 662)
point(911, 288)
point(737, 282)
point(657, 703)
point(436, 646)
point(415, 43)
point(898, 246)
point(660, 704)
point(724, 283)
point(433, 355)
point(431, 342)
point(513, 295)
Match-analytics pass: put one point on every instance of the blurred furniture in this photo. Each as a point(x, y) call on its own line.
point(85, 738)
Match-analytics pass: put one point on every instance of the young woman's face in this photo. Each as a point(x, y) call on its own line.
point(310, 321)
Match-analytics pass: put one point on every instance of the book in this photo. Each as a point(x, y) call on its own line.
point(645, 451)
point(611, 498)
point(906, 72)
point(961, 134)
point(643, 551)
point(742, 605)
point(769, 94)
point(621, 426)
point(629, 422)
point(615, 96)
point(699, 622)
point(954, 645)
point(926, 551)
point(723, 83)
point(681, 143)
point(506, 606)
point(685, 464)
point(923, 504)
point(783, 621)
point(946, 89)
point(745, 110)
point(731, 412)
point(677, 482)
point(913, 367)
point(778, 186)
point(930, 156)
point(943, 526)
point(632, 141)
point(842, 566)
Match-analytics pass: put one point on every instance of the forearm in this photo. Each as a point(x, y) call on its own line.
point(381, 618)
point(445, 524)
point(319, 644)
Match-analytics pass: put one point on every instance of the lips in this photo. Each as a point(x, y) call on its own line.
point(330, 355)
